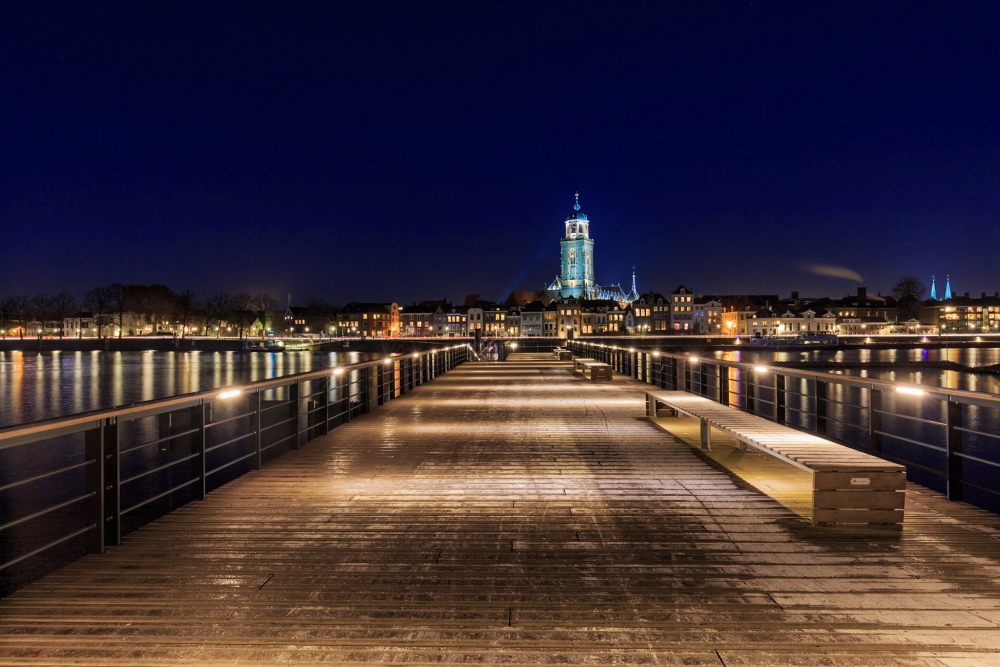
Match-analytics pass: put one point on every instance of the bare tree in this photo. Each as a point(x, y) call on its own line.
point(62, 305)
point(217, 308)
point(40, 310)
point(98, 302)
point(118, 301)
point(262, 305)
point(241, 305)
point(17, 310)
point(909, 292)
point(184, 303)
point(4, 307)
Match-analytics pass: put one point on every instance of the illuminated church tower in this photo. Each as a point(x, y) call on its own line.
point(576, 266)
point(576, 276)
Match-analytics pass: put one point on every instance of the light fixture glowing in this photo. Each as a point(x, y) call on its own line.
point(338, 371)
point(760, 369)
point(656, 354)
point(631, 349)
point(230, 394)
point(910, 390)
point(387, 362)
point(694, 359)
point(416, 355)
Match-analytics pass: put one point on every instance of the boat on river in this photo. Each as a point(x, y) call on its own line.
point(802, 341)
point(270, 346)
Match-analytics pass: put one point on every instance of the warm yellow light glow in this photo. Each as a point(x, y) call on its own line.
point(338, 371)
point(760, 369)
point(656, 354)
point(694, 359)
point(387, 362)
point(910, 390)
point(230, 394)
point(416, 355)
point(631, 349)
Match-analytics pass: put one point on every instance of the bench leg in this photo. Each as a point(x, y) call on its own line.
point(650, 407)
point(706, 436)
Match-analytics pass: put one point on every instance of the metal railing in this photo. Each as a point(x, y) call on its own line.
point(77, 484)
point(948, 439)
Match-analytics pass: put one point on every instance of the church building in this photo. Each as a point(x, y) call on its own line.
point(576, 276)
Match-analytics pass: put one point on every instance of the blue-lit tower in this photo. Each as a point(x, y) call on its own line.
point(576, 275)
point(933, 289)
point(947, 288)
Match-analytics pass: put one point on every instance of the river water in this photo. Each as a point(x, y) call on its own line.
point(36, 386)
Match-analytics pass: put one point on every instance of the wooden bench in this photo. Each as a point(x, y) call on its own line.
point(596, 371)
point(562, 354)
point(848, 486)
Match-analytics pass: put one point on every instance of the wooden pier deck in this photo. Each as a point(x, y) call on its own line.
point(515, 514)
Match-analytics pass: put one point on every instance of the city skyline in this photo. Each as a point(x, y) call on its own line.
point(410, 152)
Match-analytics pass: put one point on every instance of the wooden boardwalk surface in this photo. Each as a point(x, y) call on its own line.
point(516, 514)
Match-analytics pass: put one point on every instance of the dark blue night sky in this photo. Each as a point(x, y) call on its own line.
point(417, 150)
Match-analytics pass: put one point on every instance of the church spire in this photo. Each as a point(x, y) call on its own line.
point(947, 288)
point(933, 289)
point(576, 205)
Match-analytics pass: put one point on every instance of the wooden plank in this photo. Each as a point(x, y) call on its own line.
point(829, 516)
point(877, 481)
point(865, 500)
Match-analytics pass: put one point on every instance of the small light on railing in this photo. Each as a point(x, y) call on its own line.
point(338, 371)
point(230, 394)
point(760, 369)
point(693, 359)
point(912, 391)
point(631, 349)
point(416, 355)
point(387, 362)
point(656, 354)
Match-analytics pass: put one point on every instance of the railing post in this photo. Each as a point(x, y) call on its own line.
point(198, 447)
point(674, 374)
point(723, 384)
point(255, 429)
point(821, 389)
point(954, 463)
point(748, 390)
point(95, 484)
point(702, 379)
point(325, 384)
point(779, 398)
point(295, 396)
point(112, 524)
point(874, 421)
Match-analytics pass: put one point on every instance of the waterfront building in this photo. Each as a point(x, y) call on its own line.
point(451, 321)
point(513, 326)
point(651, 313)
point(531, 319)
point(415, 321)
point(495, 319)
point(569, 315)
point(681, 309)
point(80, 325)
point(550, 326)
point(770, 322)
point(576, 279)
point(863, 306)
point(707, 315)
point(369, 320)
point(963, 314)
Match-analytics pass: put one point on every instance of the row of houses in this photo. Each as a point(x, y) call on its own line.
point(652, 313)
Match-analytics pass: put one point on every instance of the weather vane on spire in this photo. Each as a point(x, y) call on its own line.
point(576, 205)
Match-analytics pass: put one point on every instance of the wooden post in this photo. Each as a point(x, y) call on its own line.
point(954, 463)
point(706, 435)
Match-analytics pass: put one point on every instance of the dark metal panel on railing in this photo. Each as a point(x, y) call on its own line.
point(928, 429)
point(176, 450)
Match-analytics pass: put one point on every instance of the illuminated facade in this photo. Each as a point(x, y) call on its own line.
point(576, 273)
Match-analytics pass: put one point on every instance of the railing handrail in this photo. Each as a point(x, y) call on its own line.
point(14, 436)
point(965, 396)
